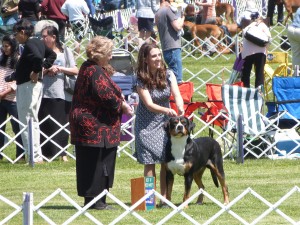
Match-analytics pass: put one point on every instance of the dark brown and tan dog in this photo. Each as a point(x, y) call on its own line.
point(291, 6)
point(226, 8)
point(203, 31)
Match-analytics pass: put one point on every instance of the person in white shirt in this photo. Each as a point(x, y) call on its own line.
point(254, 55)
point(76, 11)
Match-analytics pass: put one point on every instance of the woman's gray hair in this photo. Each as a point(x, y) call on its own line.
point(98, 48)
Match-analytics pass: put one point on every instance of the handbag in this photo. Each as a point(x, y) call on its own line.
point(69, 80)
point(255, 35)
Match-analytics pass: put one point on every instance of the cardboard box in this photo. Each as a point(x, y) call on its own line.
point(139, 188)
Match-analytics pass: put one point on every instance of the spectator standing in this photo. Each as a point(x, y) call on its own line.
point(9, 12)
point(30, 10)
point(51, 9)
point(169, 25)
point(34, 58)
point(293, 33)
point(208, 13)
point(145, 11)
point(254, 55)
point(271, 8)
point(155, 84)
point(76, 11)
point(56, 102)
point(95, 122)
point(8, 106)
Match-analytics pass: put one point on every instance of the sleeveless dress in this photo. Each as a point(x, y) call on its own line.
point(150, 135)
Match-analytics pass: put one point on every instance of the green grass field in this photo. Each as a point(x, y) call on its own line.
point(269, 179)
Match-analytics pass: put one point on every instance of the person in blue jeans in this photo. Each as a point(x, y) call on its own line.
point(91, 7)
point(8, 59)
point(168, 24)
point(9, 12)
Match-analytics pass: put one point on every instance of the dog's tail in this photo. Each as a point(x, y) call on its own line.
point(212, 172)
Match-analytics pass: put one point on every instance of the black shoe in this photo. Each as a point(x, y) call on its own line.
point(102, 206)
point(163, 206)
point(87, 200)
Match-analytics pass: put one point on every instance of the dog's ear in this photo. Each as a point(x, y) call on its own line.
point(191, 126)
point(167, 125)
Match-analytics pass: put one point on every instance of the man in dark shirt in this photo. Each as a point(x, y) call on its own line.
point(34, 58)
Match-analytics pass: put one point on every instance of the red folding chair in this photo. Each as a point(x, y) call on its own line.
point(186, 90)
point(214, 106)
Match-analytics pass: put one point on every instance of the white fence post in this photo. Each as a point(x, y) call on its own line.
point(27, 208)
point(30, 142)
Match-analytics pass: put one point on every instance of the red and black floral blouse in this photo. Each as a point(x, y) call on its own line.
point(95, 117)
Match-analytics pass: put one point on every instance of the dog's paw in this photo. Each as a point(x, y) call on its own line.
point(226, 203)
point(199, 203)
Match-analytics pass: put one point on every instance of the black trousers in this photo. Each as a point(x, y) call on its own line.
point(95, 169)
point(271, 8)
point(259, 61)
point(58, 109)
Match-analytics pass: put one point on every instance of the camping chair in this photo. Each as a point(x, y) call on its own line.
point(214, 107)
point(283, 68)
point(287, 99)
point(287, 109)
point(102, 27)
point(186, 90)
point(255, 132)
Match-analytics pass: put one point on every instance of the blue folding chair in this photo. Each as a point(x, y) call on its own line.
point(287, 96)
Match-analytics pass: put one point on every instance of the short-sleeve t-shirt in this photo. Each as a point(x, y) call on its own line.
point(168, 35)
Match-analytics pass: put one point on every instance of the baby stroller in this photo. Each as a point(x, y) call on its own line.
point(124, 63)
point(102, 27)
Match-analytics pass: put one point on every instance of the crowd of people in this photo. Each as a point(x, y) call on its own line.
point(32, 85)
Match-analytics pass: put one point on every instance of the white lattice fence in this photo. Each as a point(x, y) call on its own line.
point(29, 209)
point(225, 136)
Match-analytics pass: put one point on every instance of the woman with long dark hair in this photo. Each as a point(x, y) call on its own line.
point(155, 83)
point(8, 59)
point(56, 102)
